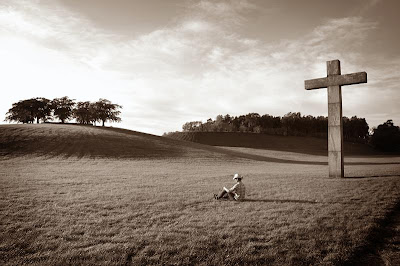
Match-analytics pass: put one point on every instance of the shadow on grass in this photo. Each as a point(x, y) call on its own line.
point(281, 201)
point(369, 176)
point(368, 254)
point(370, 163)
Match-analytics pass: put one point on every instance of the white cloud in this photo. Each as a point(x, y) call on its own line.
point(367, 6)
point(45, 55)
point(227, 13)
point(193, 70)
point(196, 26)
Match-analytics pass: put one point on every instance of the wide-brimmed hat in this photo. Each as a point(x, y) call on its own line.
point(237, 176)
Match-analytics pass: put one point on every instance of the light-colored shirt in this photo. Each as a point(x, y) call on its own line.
point(240, 190)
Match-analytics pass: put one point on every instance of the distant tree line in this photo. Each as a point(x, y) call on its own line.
point(292, 124)
point(63, 109)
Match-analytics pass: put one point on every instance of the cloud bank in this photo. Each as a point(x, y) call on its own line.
point(195, 68)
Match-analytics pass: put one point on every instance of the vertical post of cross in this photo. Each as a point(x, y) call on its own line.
point(335, 123)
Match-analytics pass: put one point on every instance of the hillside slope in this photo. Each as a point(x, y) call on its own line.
point(307, 145)
point(88, 141)
point(70, 140)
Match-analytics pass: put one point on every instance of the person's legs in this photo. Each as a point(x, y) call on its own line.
point(221, 195)
point(231, 196)
point(225, 194)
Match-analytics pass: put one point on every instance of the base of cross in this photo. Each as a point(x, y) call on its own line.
point(336, 164)
point(334, 82)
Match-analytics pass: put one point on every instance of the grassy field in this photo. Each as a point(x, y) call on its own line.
point(86, 195)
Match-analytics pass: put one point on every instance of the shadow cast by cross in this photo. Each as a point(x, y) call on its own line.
point(369, 176)
point(383, 232)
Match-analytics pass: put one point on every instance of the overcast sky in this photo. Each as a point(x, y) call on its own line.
point(168, 62)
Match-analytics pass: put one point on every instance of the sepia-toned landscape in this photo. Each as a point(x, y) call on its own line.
point(200, 132)
point(87, 195)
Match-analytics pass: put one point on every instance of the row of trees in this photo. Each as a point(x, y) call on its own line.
point(386, 137)
point(290, 124)
point(63, 109)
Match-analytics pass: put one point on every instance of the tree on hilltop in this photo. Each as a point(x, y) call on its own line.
point(27, 111)
point(41, 109)
point(107, 111)
point(84, 112)
point(63, 108)
point(19, 112)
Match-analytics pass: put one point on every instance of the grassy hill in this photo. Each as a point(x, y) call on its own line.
point(87, 141)
point(71, 140)
point(307, 145)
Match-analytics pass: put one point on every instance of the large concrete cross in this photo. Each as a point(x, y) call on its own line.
point(333, 82)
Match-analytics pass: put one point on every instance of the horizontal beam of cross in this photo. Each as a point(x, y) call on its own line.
point(336, 80)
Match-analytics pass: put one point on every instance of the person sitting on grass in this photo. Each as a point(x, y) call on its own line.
point(237, 192)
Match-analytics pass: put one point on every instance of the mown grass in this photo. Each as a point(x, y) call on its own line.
point(102, 211)
point(98, 210)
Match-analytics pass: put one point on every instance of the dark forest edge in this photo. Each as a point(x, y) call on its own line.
point(386, 137)
point(63, 109)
